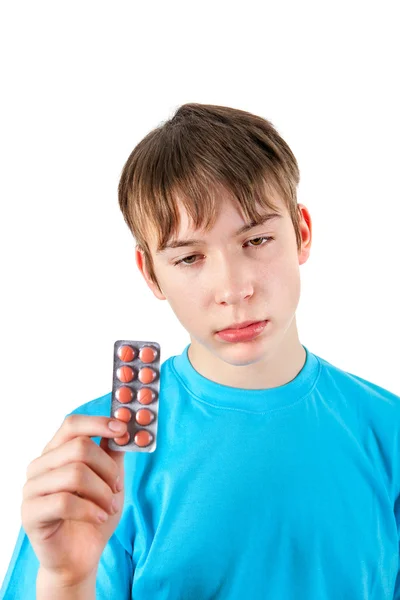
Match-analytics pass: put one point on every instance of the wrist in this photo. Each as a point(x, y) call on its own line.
point(50, 586)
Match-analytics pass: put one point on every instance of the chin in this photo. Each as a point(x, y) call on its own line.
point(241, 354)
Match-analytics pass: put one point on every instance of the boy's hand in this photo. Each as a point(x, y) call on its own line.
point(67, 487)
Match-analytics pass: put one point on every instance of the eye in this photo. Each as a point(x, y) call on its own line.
point(185, 259)
point(264, 238)
point(260, 238)
point(183, 262)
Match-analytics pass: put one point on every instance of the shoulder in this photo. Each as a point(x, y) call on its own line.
point(98, 407)
point(359, 389)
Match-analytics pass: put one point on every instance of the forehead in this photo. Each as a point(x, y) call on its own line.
point(226, 206)
point(228, 215)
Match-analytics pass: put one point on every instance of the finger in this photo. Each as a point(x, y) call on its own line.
point(89, 425)
point(40, 511)
point(73, 477)
point(118, 457)
point(79, 449)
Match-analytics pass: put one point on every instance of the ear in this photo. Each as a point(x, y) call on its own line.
point(141, 264)
point(306, 233)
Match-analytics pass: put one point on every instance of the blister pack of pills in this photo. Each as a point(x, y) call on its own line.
point(135, 392)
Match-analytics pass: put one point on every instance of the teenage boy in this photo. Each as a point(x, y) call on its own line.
point(276, 474)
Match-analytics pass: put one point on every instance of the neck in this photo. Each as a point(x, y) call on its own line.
point(278, 364)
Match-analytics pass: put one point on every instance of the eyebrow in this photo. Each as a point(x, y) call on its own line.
point(193, 242)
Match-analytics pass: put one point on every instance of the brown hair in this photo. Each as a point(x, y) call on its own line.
point(189, 157)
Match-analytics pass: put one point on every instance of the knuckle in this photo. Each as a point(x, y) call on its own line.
point(30, 468)
point(70, 422)
point(24, 513)
point(25, 490)
point(45, 449)
point(23, 509)
point(78, 474)
point(82, 449)
point(63, 503)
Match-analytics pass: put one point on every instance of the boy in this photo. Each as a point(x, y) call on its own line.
point(276, 474)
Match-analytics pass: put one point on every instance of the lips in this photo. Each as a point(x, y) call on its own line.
point(240, 325)
point(244, 334)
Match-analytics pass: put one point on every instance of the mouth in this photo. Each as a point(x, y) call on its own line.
point(242, 332)
point(235, 326)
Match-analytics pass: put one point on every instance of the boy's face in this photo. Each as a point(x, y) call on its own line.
point(229, 279)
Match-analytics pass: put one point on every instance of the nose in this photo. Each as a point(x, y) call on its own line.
point(233, 284)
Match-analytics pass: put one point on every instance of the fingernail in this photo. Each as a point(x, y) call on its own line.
point(118, 484)
point(116, 426)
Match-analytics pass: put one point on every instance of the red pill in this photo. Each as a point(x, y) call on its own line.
point(124, 439)
point(143, 438)
point(123, 414)
point(147, 354)
point(124, 394)
point(145, 396)
point(146, 375)
point(125, 374)
point(126, 353)
point(144, 416)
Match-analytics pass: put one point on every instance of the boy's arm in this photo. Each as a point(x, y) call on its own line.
point(47, 589)
point(115, 571)
point(114, 575)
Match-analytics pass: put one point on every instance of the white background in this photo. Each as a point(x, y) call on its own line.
point(82, 83)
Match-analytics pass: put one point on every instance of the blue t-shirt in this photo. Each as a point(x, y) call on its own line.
point(282, 494)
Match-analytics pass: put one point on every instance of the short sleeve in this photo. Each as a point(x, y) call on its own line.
point(396, 595)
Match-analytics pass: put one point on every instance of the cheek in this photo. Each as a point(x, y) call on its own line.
point(183, 297)
point(290, 289)
point(188, 308)
point(281, 281)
